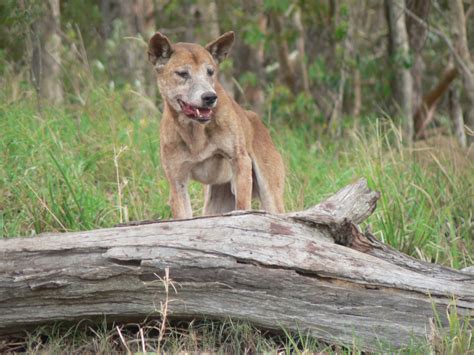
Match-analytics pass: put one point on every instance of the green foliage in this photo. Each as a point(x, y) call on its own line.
point(286, 109)
point(319, 73)
point(279, 6)
point(86, 13)
point(403, 59)
point(341, 30)
point(14, 21)
point(252, 35)
point(248, 78)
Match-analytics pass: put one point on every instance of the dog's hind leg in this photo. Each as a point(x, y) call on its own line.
point(218, 199)
point(267, 166)
point(269, 187)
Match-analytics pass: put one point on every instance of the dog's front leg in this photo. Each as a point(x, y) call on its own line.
point(179, 200)
point(242, 169)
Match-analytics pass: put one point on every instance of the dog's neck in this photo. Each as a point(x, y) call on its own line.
point(195, 134)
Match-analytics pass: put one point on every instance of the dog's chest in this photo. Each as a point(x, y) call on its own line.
point(214, 170)
point(209, 155)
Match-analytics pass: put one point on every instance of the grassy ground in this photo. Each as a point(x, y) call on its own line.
point(97, 164)
point(225, 337)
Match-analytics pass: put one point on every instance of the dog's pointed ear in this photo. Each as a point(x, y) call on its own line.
point(220, 47)
point(159, 49)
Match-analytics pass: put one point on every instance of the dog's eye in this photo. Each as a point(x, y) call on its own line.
point(183, 74)
point(210, 72)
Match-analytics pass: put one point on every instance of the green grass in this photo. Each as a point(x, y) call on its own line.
point(225, 337)
point(222, 337)
point(95, 165)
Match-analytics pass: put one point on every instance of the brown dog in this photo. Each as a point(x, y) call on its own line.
point(206, 136)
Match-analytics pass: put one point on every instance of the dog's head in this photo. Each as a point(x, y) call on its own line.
point(187, 73)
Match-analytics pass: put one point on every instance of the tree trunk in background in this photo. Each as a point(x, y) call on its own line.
point(108, 9)
point(425, 112)
point(285, 69)
point(206, 16)
point(466, 68)
point(403, 83)
point(46, 57)
point(249, 59)
point(208, 19)
point(147, 29)
point(137, 24)
point(455, 111)
point(357, 94)
point(341, 52)
point(417, 38)
point(301, 49)
point(360, 27)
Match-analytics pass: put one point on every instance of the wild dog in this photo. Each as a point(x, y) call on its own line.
point(206, 136)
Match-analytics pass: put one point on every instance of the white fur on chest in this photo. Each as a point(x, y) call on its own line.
point(214, 170)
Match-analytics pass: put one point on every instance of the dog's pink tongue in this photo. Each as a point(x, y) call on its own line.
point(189, 110)
point(196, 112)
point(192, 111)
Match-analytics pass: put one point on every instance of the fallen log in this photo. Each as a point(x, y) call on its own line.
point(312, 271)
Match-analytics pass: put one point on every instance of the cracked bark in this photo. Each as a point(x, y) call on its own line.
point(312, 271)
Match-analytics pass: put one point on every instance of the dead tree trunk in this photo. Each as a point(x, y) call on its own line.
point(312, 271)
point(399, 44)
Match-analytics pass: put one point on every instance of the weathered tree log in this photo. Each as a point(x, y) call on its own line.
point(312, 270)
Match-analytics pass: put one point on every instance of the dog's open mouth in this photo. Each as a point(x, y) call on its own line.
point(200, 114)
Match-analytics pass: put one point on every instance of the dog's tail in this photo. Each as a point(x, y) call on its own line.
point(218, 199)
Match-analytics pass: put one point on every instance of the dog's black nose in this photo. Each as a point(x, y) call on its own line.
point(209, 98)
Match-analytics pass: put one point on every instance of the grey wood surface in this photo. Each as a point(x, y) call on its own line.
point(313, 271)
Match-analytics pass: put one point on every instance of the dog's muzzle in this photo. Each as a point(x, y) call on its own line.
point(200, 114)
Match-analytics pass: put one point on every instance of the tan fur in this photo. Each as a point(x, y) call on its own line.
point(232, 153)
